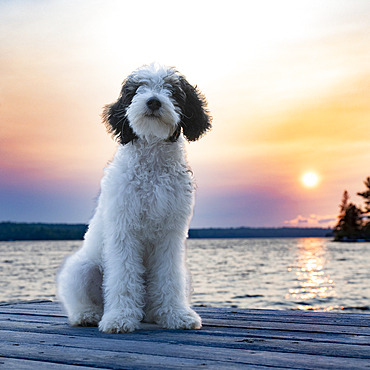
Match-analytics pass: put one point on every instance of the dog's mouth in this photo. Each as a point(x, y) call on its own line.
point(154, 115)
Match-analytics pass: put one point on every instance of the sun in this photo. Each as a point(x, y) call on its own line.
point(310, 179)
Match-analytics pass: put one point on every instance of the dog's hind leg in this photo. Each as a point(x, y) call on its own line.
point(80, 290)
point(80, 278)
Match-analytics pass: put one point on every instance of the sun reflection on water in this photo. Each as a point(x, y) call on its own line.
point(314, 288)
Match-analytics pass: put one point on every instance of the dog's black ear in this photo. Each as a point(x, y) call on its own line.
point(114, 117)
point(195, 120)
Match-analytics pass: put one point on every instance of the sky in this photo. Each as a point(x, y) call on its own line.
point(287, 84)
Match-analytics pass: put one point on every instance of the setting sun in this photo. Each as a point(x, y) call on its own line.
point(310, 179)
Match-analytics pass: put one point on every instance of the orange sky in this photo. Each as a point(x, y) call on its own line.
point(287, 84)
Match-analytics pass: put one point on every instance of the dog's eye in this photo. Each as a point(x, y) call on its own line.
point(141, 89)
point(167, 89)
point(167, 86)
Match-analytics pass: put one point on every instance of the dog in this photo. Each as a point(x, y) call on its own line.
point(131, 266)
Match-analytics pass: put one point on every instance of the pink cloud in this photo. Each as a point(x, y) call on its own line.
point(313, 220)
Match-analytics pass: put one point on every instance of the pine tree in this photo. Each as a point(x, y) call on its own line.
point(366, 194)
point(349, 225)
point(344, 205)
point(366, 213)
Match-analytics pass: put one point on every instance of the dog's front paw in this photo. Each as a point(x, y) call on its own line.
point(181, 319)
point(114, 323)
point(85, 318)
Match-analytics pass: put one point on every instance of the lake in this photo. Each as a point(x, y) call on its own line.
point(302, 274)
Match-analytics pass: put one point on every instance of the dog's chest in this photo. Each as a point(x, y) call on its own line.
point(152, 187)
point(161, 187)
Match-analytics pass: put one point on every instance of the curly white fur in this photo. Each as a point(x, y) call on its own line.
point(131, 266)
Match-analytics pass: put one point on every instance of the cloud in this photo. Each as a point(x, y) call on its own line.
point(312, 220)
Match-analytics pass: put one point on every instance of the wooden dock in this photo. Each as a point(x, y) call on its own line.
point(35, 335)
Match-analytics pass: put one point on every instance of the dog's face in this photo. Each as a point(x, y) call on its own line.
point(156, 103)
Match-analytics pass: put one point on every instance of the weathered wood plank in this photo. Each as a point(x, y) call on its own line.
point(243, 324)
point(156, 334)
point(280, 313)
point(108, 358)
point(331, 318)
point(199, 339)
point(38, 333)
point(127, 355)
point(19, 364)
point(355, 330)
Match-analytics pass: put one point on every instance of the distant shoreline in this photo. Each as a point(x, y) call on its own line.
point(14, 231)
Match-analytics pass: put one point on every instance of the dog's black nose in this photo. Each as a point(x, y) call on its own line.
point(153, 104)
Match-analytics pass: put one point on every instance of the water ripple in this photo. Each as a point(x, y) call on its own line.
point(301, 274)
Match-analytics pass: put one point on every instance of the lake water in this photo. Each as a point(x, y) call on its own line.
point(305, 273)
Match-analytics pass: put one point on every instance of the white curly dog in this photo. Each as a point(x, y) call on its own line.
point(131, 266)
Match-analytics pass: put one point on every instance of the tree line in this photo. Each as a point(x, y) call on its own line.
point(354, 221)
point(10, 231)
point(40, 231)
